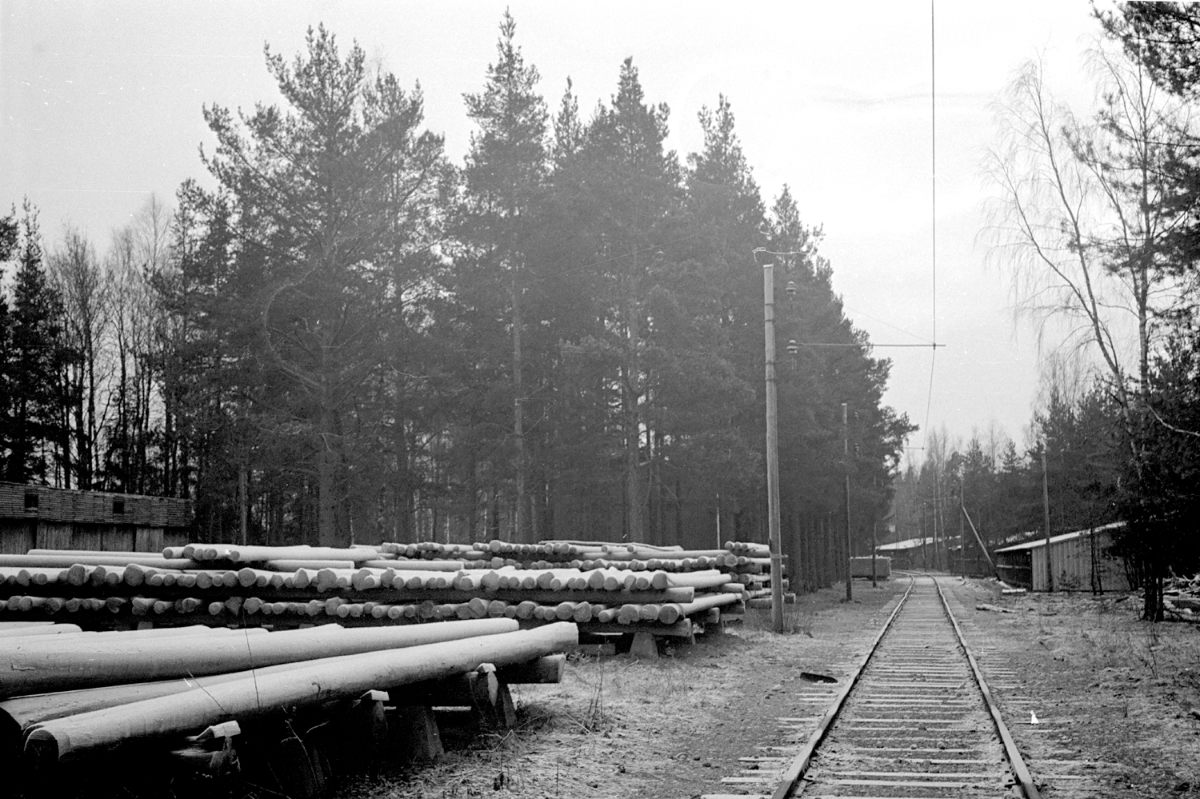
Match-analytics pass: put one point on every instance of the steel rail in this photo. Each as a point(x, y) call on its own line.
point(800, 763)
point(1015, 761)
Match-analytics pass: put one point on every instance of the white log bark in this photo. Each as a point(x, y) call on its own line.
point(311, 683)
point(41, 668)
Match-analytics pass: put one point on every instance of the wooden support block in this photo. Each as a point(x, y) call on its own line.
point(471, 689)
point(547, 669)
point(504, 712)
point(212, 753)
point(417, 734)
point(482, 687)
point(644, 646)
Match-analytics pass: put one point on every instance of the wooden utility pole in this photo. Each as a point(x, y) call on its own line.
point(939, 532)
point(874, 577)
point(846, 466)
point(962, 532)
point(924, 514)
point(772, 449)
point(243, 505)
point(1046, 520)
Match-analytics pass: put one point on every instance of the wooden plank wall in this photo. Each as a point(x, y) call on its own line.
point(61, 535)
point(48, 518)
point(1073, 568)
point(94, 507)
point(148, 539)
point(17, 536)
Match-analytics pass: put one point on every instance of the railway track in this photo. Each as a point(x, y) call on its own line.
point(915, 721)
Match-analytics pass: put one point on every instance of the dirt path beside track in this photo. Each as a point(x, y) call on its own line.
point(1118, 703)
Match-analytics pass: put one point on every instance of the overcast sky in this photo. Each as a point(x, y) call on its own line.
point(100, 106)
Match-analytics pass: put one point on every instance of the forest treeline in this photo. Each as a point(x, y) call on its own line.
point(339, 335)
point(1097, 219)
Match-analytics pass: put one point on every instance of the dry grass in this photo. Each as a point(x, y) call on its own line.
point(618, 727)
point(1119, 695)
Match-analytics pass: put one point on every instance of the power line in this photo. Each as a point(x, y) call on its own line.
point(872, 345)
point(932, 202)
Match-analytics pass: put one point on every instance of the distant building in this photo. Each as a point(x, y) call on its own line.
point(911, 553)
point(1081, 562)
point(37, 517)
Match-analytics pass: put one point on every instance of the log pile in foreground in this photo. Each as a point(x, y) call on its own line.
point(195, 693)
point(208, 652)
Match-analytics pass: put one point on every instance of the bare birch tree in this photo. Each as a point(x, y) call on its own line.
point(84, 286)
point(1080, 217)
point(1085, 213)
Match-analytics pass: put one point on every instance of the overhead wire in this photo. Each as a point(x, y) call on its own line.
point(932, 207)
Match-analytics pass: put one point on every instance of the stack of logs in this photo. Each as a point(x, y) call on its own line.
point(1181, 598)
point(605, 588)
point(203, 698)
point(212, 652)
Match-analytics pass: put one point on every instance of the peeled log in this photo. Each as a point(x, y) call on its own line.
point(702, 579)
point(122, 638)
point(97, 558)
point(671, 613)
point(21, 712)
point(48, 668)
point(313, 564)
point(345, 677)
point(22, 629)
point(417, 565)
point(248, 554)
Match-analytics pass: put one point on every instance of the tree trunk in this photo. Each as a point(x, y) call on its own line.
point(633, 434)
point(521, 531)
point(90, 432)
point(82, 479)
point(327, 461)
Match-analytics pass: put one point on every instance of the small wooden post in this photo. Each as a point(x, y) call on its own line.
point(1046, 520)
point(505, 710)
point(846, 466)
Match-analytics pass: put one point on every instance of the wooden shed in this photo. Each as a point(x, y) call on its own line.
point(39, 517)
point(1080, 560)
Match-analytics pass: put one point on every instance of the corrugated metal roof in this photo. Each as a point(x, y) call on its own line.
point(1041, 542)
point(908, 543)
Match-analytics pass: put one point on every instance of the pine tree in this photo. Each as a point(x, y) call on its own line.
point(505, 177)
point(632, 191)
point(332, 220)
point(36, 423)
point(9, 239)
point(829, 362)
point(568, 130)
